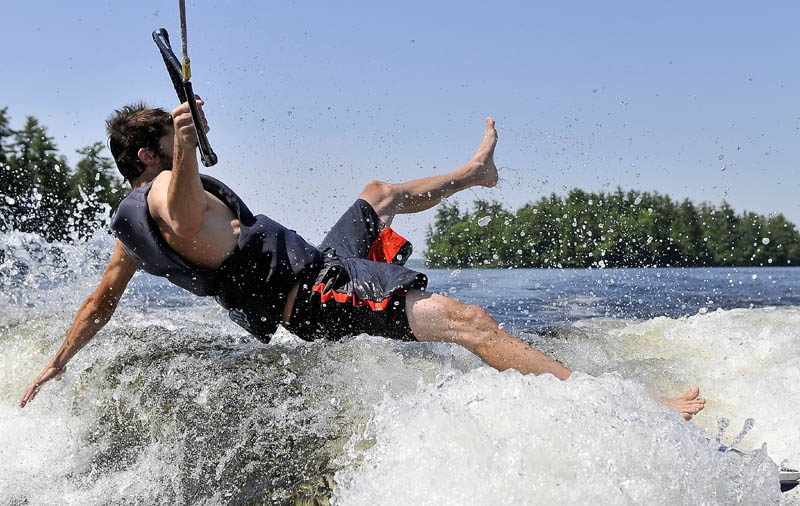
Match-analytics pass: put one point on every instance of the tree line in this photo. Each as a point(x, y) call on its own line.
point(41, 193)
point(615, 229)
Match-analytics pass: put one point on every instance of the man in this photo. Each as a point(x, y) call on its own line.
point(195, 231)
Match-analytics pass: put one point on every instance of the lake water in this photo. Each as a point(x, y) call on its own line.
point(173, 404)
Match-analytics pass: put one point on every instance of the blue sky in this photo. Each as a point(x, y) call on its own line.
point(308, 101)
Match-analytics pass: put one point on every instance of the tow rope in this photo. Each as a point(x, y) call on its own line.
point(180, 73)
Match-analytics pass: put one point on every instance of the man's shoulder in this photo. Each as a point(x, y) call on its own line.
point(160, 183)
point(156, 194)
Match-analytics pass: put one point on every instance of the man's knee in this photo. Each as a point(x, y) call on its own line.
point(478, 318)
point(434, 317)
point(382, 196)
point(474, 325)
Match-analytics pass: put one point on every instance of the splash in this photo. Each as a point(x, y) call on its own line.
point(489, 438)
point(172, 403)
point(744, 360)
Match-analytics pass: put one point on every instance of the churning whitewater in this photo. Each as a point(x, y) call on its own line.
point(173, 404)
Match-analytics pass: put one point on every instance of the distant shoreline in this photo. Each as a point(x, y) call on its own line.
point(617, 229)
point(418, 263)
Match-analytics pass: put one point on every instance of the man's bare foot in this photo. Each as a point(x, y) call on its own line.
point(485, 171)
point(688, 405)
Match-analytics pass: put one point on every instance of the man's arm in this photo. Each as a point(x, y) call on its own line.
point(182, 206)
point(93, 314)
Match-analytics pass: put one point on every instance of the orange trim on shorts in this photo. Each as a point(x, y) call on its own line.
point(386, 246)
point(348, 297)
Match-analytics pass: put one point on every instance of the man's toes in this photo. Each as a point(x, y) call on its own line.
point(692, 394)
point(696, 407)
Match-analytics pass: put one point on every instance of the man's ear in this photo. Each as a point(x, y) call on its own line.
point(146, 156)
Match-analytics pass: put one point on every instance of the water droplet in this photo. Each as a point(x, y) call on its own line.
point(637, 201)
point(484, 221)
point(765, 241)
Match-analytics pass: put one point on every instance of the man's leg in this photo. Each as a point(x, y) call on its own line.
point(418, 195)
point(434, 317)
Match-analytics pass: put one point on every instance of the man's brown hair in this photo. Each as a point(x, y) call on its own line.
point(131, 128)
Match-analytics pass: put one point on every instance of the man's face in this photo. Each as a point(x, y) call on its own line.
point(167, 146)
point(167, 143)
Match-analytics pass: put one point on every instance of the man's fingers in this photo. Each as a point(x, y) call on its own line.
point(184, 124)
point(181, 112)
point(45, 376)
point(182, 118)
point(202, 114)
point(181, 109)
point(30, 393)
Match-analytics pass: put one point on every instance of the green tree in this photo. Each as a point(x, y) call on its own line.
point(784, 242)
point(687, 238)
point(94, 190)
point(721, 229)
point(442, 236)
point(752, 229)
point(41, 182)
point(40, 193)
point(5, 134)
point(618, 229)
point(7, 180)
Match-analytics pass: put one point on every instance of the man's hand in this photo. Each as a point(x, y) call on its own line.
point(93, 314)
point(185, 134)
point(49, 372)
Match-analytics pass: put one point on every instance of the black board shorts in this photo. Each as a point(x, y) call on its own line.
point(362, 284)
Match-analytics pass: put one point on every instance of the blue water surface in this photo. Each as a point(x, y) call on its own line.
point(536, 298)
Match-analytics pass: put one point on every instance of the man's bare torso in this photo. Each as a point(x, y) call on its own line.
point(216, 240)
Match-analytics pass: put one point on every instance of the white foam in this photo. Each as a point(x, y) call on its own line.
point(503, 438)
point(474, 436)
point(745, 361)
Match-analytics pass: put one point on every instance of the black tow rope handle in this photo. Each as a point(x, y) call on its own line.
point(183, 87)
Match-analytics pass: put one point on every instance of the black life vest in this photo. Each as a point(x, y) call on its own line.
point(252, 283)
